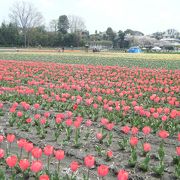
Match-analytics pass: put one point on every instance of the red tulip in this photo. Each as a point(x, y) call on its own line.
point(1, 105)
point(159, 110)
point(117, 108)
point(36, 106)
point(28, 120)
point(59, 154)
point(36, 152)
point(11, 161)
point(21, 143)
point(110, 126)
point(146, 147)
point(19, 114)
point(46, 114)
point(68, 122)
point(1, 138)
point(12, 110)
point(79, 118)
point(58, 120)
point(37, 116)
point(164, 118)
point(152, 110)
point(26, 106)
point(133, 141)
point(178, 150)
point(69, 114)
point(88, 123)
point(173, 114)
point(75, 106)
point(134, 103)
point(136, 108)
point(24, 164)
point(36, 166)
point(155, 115)
point(134, 130)
point(43, 121)
point(104, 121)
point(146, 130)
point(163, 134)
point(122, 175)
point(166, 110)
point(28, 146)
point(74, 166)
point(44, 177)
point(99, 136)
point(109, 154)
point(125, 129)
point(89, 161)
point(110, 109)
point(77, 124)
point(48, 150)
point(95, 106)
point(99, 98)
point(15, 104)
point(10, 138)
point(1, 153)
point(103, 170)
point(178, 136)
point(148, 114)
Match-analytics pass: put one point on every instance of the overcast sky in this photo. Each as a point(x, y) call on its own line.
point(147, 16)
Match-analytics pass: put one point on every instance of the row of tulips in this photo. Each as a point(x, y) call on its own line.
point(30, 164)
point(26, 118)
point(61, 121)
point(117, 111)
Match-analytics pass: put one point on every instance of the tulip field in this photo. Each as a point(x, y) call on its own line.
point(89, 117)
point(166, 61)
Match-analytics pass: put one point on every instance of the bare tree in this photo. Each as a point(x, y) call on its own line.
point(25, 15)
point(171, 33)
point(76, 24)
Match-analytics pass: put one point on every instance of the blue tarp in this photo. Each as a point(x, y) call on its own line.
point(134, 50)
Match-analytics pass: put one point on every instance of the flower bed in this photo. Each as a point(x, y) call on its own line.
point(97, 121)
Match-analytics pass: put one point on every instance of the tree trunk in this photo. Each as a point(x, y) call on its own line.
point(25, 38)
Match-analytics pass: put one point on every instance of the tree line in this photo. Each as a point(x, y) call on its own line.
point(11, 35)
point(26, 29)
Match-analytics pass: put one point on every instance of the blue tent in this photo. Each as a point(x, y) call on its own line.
point(134, 50)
